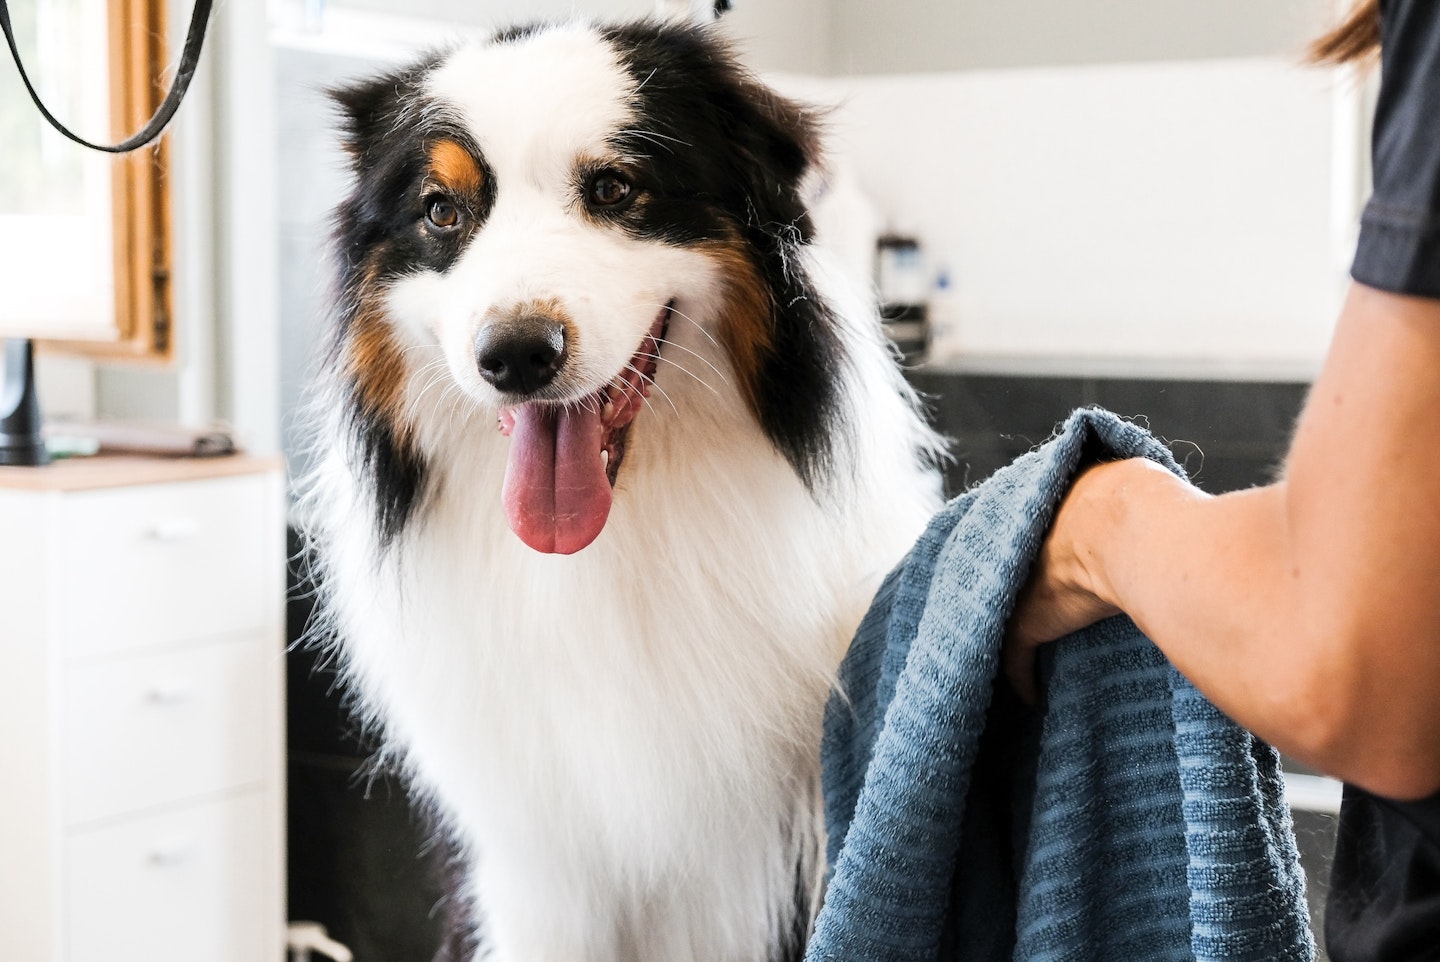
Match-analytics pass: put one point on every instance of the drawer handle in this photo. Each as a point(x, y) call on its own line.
point(168, 856)
point(176, 529)
point(163, 695)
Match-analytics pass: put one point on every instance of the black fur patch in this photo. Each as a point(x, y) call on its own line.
point(390, 126)
point(720, 154)
point(396, 470)
point(380, 234)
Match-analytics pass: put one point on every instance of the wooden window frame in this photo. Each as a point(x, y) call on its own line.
point(144, 301)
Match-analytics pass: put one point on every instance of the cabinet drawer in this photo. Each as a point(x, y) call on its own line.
point(153, 564)
point(153, 728)
point(189, 886)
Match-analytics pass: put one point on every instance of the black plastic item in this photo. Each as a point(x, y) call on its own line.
point(907, 326)
point(20, 440)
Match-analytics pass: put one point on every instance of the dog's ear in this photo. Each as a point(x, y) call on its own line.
point(776, 142)
point(793, 363)
point(363, 106)
point(374, 107)
point(744, 147)
point(796, 386)
point(737, 158)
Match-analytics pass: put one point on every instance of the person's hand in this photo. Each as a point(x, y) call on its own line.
point(1067, 589)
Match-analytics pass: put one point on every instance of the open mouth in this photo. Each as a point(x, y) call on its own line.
point(564, 458)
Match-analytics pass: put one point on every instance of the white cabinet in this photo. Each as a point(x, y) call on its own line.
point(141, 711)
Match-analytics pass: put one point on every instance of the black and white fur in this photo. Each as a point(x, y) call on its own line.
point(623, 733)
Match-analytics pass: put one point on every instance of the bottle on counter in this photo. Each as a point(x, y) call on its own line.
point(901, 279)
point(947, 339)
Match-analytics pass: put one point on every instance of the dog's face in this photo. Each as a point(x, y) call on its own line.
point(541, 210)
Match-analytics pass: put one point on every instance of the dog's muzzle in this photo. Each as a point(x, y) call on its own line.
point(564, 455)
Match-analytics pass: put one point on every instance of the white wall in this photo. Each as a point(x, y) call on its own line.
point(907, 36)
point(489, 14)
point(789, 35)
point(1160, 211)
point(795, 36)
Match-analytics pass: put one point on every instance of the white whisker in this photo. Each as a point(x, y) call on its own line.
point(698, 326)
point(658, 139)
point(654, 386)
point(412, 409)
point(665, 344)
point(687, 372)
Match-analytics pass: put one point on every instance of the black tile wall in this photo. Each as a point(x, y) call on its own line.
point(1227, 434)
point(1258, 414)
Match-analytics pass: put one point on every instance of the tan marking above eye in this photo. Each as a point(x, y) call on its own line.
point(455, 168)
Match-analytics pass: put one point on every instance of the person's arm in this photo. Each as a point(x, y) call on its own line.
point(1307, 610)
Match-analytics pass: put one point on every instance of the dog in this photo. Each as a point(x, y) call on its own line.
point(611, 458)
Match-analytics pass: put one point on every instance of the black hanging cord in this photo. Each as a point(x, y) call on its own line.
point(189, 59)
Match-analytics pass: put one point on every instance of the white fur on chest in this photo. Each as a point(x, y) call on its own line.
point(639, 723)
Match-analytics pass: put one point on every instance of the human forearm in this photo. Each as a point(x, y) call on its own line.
point(1307, 610)
point(1215, 581)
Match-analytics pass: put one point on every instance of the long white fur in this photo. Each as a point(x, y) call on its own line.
point(625, 739)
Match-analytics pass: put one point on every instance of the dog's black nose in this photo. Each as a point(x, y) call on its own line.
point(520, 355)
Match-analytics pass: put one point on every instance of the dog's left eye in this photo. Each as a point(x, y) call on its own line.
point(609, 189)
point(442, 213)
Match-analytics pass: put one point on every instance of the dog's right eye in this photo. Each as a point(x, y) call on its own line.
point(609, 189)
point(441, 213)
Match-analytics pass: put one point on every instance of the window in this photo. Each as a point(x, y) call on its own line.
point(85, 237)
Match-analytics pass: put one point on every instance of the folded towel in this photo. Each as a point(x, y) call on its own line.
point(1124, 819)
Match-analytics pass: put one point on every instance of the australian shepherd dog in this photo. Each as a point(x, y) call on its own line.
point(611, 460)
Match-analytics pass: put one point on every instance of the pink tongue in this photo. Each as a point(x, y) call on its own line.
point(556, 494)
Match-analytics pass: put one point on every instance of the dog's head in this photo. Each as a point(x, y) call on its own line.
point(543, 209)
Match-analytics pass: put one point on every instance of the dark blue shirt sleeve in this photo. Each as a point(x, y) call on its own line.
point(1399, 248)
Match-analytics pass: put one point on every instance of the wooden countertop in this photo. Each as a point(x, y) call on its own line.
point(116, 471)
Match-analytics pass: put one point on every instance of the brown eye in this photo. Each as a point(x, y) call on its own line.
point(441, 213)
point(609, 189)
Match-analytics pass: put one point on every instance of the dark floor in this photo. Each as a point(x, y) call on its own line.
point(363, 864)
point(361, 861)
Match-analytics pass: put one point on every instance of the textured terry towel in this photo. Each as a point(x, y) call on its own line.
point(1126, 819)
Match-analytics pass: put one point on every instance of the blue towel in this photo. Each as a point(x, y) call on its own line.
point(1125, 819)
